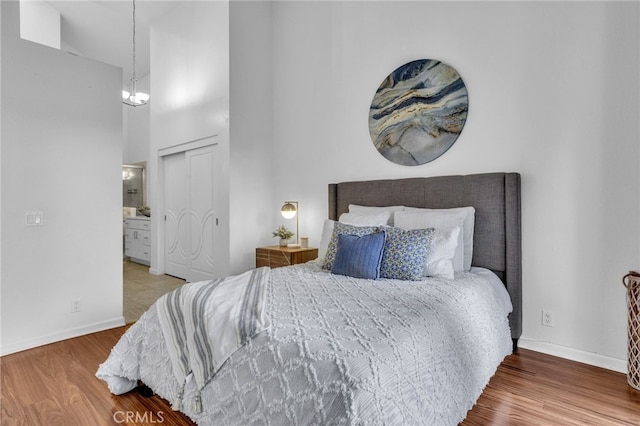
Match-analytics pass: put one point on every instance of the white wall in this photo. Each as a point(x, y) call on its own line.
point(61, 155)
point(136, 129)
point(251, 184)
point(189, 102)
point(40, 23)
point(553, 94)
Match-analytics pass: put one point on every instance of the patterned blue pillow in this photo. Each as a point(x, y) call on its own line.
point(359, 257)
point(405, 253)
point(341, 229)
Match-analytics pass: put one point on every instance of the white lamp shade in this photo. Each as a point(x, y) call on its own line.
point(138, 98)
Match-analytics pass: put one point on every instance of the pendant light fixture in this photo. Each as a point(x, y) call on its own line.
point(134, 98)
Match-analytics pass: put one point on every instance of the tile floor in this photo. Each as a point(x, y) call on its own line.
point(141, 289)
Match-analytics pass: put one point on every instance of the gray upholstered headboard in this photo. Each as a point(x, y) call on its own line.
point(495, 197)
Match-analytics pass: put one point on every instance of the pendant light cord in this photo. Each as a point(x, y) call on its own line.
point(134, 44)
point(134, 99)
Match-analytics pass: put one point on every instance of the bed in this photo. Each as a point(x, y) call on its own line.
point(497, 233)
point(327, 347)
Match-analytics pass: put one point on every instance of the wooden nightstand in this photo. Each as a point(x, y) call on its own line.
point(276, 256)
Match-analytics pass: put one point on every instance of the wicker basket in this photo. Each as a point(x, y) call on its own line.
point(632, 282)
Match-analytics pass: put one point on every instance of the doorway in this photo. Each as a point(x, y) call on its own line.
point(134, 182)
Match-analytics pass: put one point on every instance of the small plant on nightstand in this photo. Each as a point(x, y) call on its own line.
point(284, 234)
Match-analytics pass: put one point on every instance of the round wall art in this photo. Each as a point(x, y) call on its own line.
point(418, 112)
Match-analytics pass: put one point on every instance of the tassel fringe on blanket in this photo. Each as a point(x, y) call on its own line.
point(204, 323)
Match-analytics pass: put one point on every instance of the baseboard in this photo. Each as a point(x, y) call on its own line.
point(61, 335)
point(597, 360)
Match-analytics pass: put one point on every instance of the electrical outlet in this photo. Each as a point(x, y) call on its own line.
point(548, 318)
point(75, 306)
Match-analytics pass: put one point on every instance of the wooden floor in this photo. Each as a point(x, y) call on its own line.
point(55, 385)
point(531, 388)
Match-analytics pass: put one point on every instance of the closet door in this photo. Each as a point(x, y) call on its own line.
point(175, 219)
point(189, 213)
point(200, 203)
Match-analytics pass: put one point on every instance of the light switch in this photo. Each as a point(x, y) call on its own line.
point(33, 219)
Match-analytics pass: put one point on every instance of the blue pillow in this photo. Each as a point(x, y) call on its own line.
point(359, 256)
point(405, 253)
point(341, 229)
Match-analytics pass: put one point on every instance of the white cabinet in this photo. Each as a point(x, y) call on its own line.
point(137, 239)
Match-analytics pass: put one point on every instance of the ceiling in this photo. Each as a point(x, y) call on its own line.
point(102, 30)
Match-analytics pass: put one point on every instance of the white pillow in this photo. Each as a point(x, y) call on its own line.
point(441, 253)
point(366, 219)
point(440, 220)
point(325, 239)
point(355, 208)
point(467, 228)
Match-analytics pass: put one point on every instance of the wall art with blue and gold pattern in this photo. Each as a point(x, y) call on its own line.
point(418, 112)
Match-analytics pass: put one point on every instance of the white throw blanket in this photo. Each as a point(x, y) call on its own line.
point(204, 323)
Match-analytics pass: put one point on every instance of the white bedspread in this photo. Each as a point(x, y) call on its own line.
point(340, 351)
point(204, 323)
